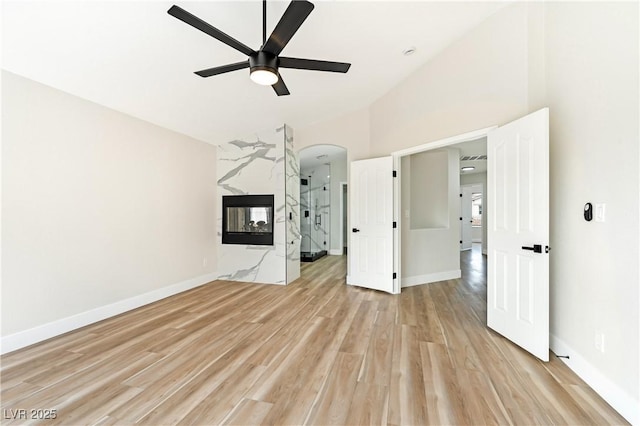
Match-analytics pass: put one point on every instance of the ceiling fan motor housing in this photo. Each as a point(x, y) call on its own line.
point(263, 61)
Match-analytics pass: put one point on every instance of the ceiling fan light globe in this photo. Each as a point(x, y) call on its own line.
point(264, 77)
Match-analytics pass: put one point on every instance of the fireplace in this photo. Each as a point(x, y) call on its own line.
point(247, 219)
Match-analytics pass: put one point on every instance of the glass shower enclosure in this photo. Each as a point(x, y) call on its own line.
point(314, 213)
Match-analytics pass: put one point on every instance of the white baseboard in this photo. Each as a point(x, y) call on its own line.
point(430, 278)
point(335, 252)
point(621, 401)
point(42, 332)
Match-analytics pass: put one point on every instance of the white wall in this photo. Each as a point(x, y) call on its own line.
point(97, 207)
point(430, 253)
point(478, 81)
point(350, 131)
point(429, 195)
point(592, 92)
point(338, 175)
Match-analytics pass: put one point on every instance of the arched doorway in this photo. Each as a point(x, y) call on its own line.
point(323, 177)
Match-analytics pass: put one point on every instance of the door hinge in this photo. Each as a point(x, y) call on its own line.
point(395, 224)
point(395, 174)
point(460, 195)
point(460, 241)
point(394, 276)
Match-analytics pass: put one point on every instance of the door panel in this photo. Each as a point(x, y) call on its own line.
point(371, 214)
point(518, 195)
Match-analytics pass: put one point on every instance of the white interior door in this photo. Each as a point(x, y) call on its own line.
point(465, 215)
point(371, 222)
point(518, 232)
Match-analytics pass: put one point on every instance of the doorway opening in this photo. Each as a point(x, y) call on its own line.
point(428, 242)
point(471, 212)
point(323, 168)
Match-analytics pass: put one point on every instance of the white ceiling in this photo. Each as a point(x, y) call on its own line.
point(313, 156)
point(135, 58)
point(472, 148)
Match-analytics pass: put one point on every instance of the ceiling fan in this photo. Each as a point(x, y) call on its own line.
point(264, 63)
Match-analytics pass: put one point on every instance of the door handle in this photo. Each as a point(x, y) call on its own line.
point(355, 230)
point(537, 248)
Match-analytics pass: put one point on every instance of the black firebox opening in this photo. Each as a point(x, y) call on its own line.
point(247, 219)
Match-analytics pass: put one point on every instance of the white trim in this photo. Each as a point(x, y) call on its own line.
point(397, 232)
point(342, 186)
point(431, 278)
point(620, 400)
point(465, 137)
point(42, 332)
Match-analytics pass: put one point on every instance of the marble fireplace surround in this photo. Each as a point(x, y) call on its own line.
point(263, 163)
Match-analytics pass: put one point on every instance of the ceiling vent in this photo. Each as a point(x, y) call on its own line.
point(473, 158)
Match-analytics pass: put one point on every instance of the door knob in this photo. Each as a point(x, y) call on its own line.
point(537, 248)
point(355, 230)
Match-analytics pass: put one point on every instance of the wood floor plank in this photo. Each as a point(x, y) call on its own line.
point(249, 412)
point(596, 410)
point(317, 351)
point(369, 405)
point(376, 366)
point(357, 339)
point(293, 402)
point(408, 402)
point(443, 397)
point(208, 398)
point(167, 376)
point(334, 400)
point(81, 386)
point(22, 372)
point(10, 395)
point(95, 405)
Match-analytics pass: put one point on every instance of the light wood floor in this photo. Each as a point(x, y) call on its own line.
point(317, 351)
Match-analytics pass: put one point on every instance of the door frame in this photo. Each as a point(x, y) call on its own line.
point(397, 161)
point(470, 186)
point(343, 225)
point(481, 187)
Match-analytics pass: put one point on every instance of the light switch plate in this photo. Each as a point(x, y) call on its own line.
point(600, 212)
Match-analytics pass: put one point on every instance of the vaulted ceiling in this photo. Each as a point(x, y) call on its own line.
point(135, 58)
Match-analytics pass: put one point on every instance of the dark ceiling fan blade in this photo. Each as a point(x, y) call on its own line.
point(293, 17)
point(280, 87)
point(312, 64)
point(198, 23)
point(222, 69)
